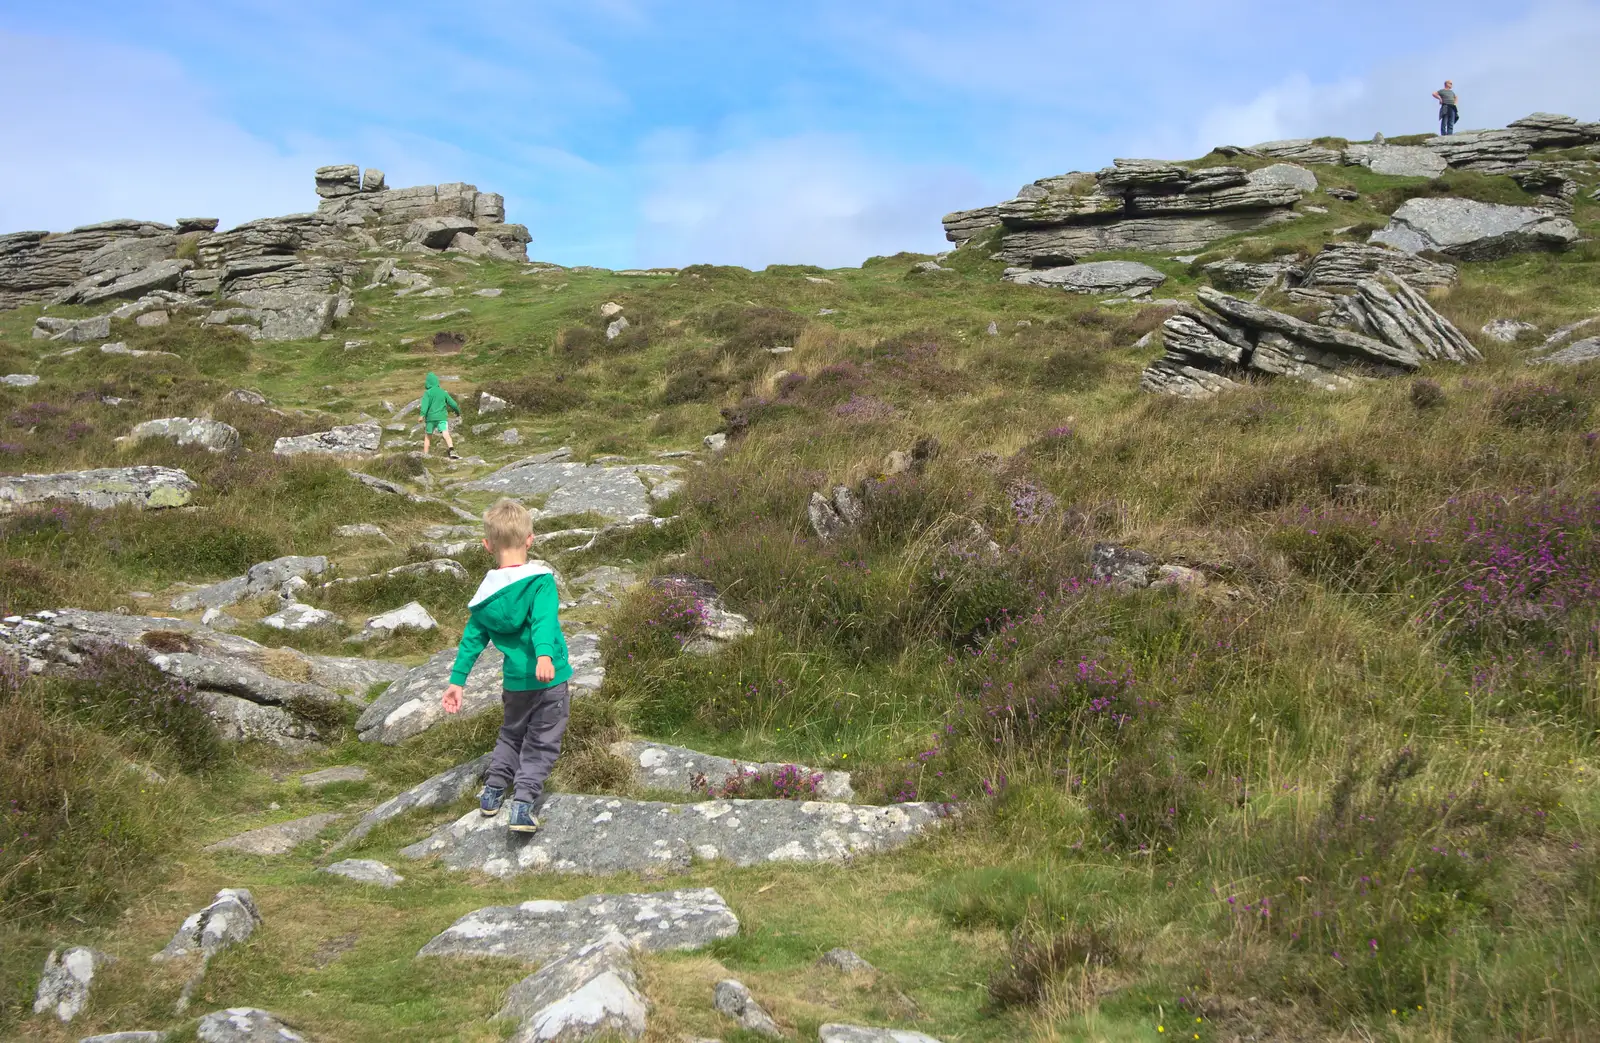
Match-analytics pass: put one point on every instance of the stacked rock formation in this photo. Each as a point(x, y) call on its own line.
point(280, 278)
point(1385, 328)
point(1135, 204)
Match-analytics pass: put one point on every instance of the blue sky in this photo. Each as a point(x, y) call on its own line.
point(632, 132)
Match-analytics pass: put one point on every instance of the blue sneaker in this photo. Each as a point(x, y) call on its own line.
point(490, 799)
point(522, 820)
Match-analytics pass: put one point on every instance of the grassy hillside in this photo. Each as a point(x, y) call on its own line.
point(1345, 790)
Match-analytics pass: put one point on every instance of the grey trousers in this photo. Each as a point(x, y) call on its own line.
point(530, 741)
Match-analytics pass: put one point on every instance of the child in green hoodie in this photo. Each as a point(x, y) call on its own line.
point(516, 607)
point(436, 407)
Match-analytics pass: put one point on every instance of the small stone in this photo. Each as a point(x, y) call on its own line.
point(1507, 330)
point(716, 442)
point(329, 776)
point(732, 998)
point(897, 462)
point(488, 403)
point(836, 1033)
point(127, 1037)
point(510, 437)
point(614, 330)
point(153, 318)
point(846, 961)
point(230, 918)
point(297, 617)
point(610, 310)
point(1180, 576)
point(827, 311)
point(493, 291)
point(365, 871)
point(64, 988)
point(361, 530)
point(411, 616)
point(993, 329)
point(19, 380)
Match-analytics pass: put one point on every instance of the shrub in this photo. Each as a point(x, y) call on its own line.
point(746, 331)
point(1426, 394)
point(119, 692)
point(542, 395)
point(785, 782)
point(695, 384)
point(1545, 406)
point(1039, 960)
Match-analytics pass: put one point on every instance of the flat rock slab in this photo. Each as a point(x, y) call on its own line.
point(329, 776)
point(597, 835)
point(679, 770)
point(545, 930)
point(351, 439)
point(244, 1025)
point(1474, 231)
point(278, 839)
point(100, 488)
point(613, 492)
point(835, 1033)
point(127, 1037)
point(1092, 277)
point(1573, 354)
point(440, 791)
point(365, 871)
point(230, 918)
point(411, 705)
point(1397, 160)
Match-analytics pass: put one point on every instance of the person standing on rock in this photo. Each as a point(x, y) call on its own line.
point(1448, 113)
point(517, 607)
point(436, 407)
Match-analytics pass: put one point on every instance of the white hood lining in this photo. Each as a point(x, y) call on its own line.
point(499, 579)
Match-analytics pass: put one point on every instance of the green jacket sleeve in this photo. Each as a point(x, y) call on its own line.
point(545, 621)
point(473, 640)
point(450, 404)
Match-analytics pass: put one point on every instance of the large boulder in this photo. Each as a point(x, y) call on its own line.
point(1285, 174)
point(210, 434)
point(73, 331)
point(1397, 160)
point(1343, 265)
point(334, 182)
point(121, 285)
point(437, 233)
point(145, 487)
point(350, 439)
point(1474, 231)
point(1093, 277)
point(278, 314)
point(599, 835)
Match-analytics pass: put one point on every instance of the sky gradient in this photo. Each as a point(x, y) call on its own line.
point(629, 132)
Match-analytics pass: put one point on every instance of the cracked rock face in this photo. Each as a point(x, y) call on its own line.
point(679, 770)
point(616, 493)
point(544, 930)
point(100, 488)
point(440, 791)
point(598, 835)
point(68, 976)
point(350, 439)
point(230, 918)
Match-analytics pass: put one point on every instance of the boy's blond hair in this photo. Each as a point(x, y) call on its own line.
point(507, 525)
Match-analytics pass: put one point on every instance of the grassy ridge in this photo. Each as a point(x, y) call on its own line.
point(1345, 790)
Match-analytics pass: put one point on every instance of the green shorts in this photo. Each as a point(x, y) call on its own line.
point(435, 427)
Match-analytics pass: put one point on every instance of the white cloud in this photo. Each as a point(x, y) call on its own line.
point(809, 199)
point(1543, 61)
point(126, 134)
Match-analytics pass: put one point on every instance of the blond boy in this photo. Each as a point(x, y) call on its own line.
point(516, 607)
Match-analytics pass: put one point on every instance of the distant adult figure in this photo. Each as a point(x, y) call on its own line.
point(1448, 113)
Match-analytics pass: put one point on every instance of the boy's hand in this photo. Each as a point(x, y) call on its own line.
point(452, 698)
point(544, 670)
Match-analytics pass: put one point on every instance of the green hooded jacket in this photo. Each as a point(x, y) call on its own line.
point(436, 401)
point(516, 608)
